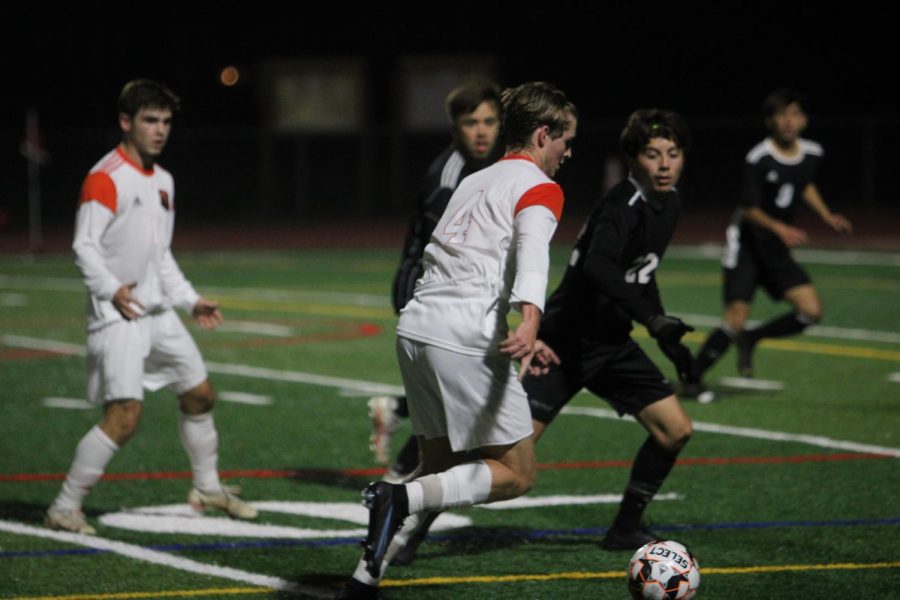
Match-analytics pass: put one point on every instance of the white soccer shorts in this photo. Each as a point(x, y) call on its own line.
point(152, 352)
point(475, 401)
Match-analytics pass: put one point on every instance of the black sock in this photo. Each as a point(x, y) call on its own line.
point(787, 324)
point(713, 348)
point(651, 467)
point(402, 409)
point(408, 458)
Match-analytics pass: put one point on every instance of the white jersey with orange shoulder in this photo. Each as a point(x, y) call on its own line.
point(488, 253)
point(123, 232)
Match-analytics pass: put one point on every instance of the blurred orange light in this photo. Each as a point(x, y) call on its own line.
point(229, 76)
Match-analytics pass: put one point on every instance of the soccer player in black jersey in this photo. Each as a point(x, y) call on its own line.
point(778, 173)
point(585, 334)
point(474, 112)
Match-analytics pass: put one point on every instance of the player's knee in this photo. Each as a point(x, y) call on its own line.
point(676, 437)
point(198, 400)
point(810, 315)
point(121, 419)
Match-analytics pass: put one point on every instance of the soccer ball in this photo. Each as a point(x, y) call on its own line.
point(663, 570)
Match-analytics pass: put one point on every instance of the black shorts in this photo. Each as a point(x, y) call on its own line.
point(622, 375)
point(766, 264)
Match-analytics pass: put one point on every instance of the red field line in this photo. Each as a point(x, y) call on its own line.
point(377, 471)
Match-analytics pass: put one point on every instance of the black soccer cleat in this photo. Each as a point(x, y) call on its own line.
point(405, 557)
point(388, 507)
point(697, 391)
point(617, 539)
point(745, 349)
point(357, 590)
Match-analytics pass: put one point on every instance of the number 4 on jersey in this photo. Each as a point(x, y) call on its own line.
point(458, 225)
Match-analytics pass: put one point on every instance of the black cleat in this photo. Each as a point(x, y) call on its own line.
point(697, 391)
point(388, 507)
point(357, 590)
point(745, 349)
point(405, 557)
point(628, 540)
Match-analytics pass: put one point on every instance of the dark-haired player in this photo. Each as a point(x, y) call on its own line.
point(474, 112)
point(585, 337)
point(779, 172)
point(135, 340)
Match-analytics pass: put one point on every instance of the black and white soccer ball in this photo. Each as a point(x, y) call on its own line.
point(663, 570)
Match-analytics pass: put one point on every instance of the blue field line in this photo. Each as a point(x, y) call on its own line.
point(489, 535)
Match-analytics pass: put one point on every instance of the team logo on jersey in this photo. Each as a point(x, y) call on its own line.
point(164, 199)
point(772, 177)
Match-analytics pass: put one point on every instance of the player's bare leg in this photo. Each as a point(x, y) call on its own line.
point(807, 310)
point(200, 440)
point(670, 429)
point(449, 479)
point(94, 451)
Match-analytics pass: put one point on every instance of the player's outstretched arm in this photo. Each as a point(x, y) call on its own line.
point(207, 314)
point(814, 199)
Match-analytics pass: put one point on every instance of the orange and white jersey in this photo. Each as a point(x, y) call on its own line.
point(123, 230)
point(488, 253)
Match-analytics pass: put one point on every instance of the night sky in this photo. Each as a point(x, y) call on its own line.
point(713, 64)
point(716, 61)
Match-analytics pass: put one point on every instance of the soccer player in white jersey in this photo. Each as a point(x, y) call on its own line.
point(135, 340)
point(489, 253)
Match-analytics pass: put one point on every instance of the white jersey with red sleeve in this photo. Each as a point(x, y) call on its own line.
point(126, 215)
point(488, 253)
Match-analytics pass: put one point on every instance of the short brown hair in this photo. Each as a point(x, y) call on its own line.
point(530, 106)
point(469, 95)
point(146, 93)
point(648, 123)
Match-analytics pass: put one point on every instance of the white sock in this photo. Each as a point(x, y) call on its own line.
point(466, 484)
point(462, 485)
point(201, 442)
point(92, 454)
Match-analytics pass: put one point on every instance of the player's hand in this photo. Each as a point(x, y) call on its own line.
point(839, 223)
point(792, 236)
point(681, 357)
point(542, 357)
point(207, 314)
point(127, 305)
point(667, 329)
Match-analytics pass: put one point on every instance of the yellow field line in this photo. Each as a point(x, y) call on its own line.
point(806, 347)
point(621, 574)
point(571, 576)
point(363, 312)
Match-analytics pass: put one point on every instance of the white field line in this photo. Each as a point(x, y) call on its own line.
point(368, 387)
point(257, 328)
point(244, 398)
point(378, 301)
point(821, 257)
point(396, 390)
point(69, 403)
point(539, 501)
point(159, 558)
point(894, 377)
point(762, 434)
point(765, 385)
point(21, 341)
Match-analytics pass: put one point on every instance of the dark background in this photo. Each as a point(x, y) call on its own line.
point(712, 63)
